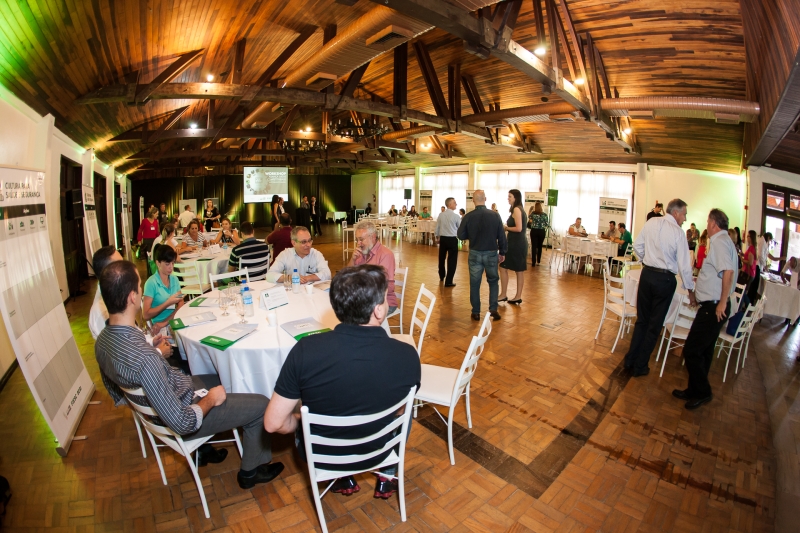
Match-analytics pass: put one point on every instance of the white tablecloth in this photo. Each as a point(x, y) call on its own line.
point(632, 291)
point(252, 364)
point(335, 215)
point(589, 246)
point(214, 264)
point(782, 300)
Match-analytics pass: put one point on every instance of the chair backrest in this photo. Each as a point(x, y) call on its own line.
point(556, 240)
point(573, 245)
point(156, 241)
point(427, 311)
point(748, 320)
point(396, 259)
point(254, 264)
point(627, 253)
point(188, 277)
point(613, 288)
point(308, 419)
point(227, 275)
point(685, 314)
point(135, 397)
point(344, 224)
point(400, 281)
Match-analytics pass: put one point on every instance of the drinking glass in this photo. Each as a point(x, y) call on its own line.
point(287, 279)
point(223, 300)
point(240, 308)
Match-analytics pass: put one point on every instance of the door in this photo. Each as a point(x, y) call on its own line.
point(100, 207)
point(781, 218)
point(72, 230)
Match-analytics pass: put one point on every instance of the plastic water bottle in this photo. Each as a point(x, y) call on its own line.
point(295, 282)
point(247, 299)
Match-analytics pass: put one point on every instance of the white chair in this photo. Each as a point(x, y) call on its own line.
point(678, 329)
point(398, 426)
point(189, 279)
point(212, 278)
point(414, 231)
point(615, 302)
point(727, 342)
point(573, 252)
point(157, 240)
point(255, 263)
point(426, 310)
point(346, 249)
point(626, 256)
point(598, 256)
point(163, 433)
point(400, 291)
point(445, 386)
point(757, 315)
point(557, 251)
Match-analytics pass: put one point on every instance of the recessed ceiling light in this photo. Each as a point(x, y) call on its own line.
point(210, 77)
point(511, 135)
point(193, 126)
point(627, 131)
point(540, 51)
point(308, 128)
point(579, 81)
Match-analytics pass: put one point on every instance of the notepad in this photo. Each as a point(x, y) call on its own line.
point(273, 298)
point(194, 320)
point(204, 302)
point(323, 285)
point(303, 328)
point(224, 338)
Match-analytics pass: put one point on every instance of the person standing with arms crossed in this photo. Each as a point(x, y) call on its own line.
point(664, 252)
point(446, 232)
point(714, 287)
point(487, 246)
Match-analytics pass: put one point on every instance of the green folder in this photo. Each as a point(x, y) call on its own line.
point(223, 339)
point(194, 320)
point(197, 301)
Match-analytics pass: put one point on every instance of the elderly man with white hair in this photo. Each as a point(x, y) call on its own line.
point(369, 251)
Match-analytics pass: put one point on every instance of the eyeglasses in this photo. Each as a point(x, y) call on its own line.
point(362, 239)
point(308, 241)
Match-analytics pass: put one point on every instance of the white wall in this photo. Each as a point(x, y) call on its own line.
point(757, 177)
point(364, 190)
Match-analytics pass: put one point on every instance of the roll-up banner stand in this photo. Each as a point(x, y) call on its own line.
point(141, 209)
point(32, 310)
point(615, 209)
point(470, 203)
point(90, 225)
point(126, 226)
point(531, 197)
point(426, 200)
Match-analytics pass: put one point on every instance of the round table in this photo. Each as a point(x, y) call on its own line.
point(254, 363)
point(782, 300)
point(208, 264)
point(632, 292)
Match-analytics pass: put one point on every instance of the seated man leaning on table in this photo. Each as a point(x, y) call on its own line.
point(576, 229)
point(127, 360)
point(611, 233)
point(370, 251)
point(323, 370)
point(250, 248)
point(789, 273)
point(309, 262)
point(623, 238)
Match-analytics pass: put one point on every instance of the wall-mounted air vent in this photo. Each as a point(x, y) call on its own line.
point(566, 117)
point(641, 114)
point(389, 37)
point(320, 80)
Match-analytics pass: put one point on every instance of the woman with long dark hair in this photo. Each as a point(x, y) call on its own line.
point(517, 255)
point(211, 214)
point(537, 221)
point(275, 204)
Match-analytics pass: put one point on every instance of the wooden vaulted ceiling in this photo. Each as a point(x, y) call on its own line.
point(52, 53)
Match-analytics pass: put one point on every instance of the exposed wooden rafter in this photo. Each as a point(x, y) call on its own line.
point(143, 93)
point(431, 79)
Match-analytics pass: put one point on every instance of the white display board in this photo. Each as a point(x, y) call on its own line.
point(426, 200)
point(126, 227)
point(90, 229)
point(192, 202)
point(531, 197)
point(261, 183)
point(615, 209)
point(470, 203)
point(32, 310)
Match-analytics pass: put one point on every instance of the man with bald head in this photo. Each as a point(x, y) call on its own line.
point(483, 228)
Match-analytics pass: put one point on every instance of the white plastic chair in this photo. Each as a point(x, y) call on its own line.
point(557, 250)
point(212, 278)
point(157, 240)
point(727, 342)
point(400, 290)
point(757, 315)
point(255, 263)
point(426, 310)
point(678, 329)
point(597, 256)
point(189, 279)
point(573, 252)
point(318, 475)
point(626, 256)
point(445, 386)
point(346, 249)
point(163, 433)
point(614, 301)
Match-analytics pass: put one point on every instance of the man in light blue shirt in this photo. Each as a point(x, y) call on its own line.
point(309, 262)
point(664, 252)
point(446, 233)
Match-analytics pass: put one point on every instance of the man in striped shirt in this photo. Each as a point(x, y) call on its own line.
point(250, 249)
point(127, 360)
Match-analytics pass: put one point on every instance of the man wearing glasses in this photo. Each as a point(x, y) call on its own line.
point(310, 263)
point(371, 252)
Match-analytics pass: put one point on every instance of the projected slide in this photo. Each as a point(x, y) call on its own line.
point(261, 183)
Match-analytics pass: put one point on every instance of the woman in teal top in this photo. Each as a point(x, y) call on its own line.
point(162, 291)
point(537, 221)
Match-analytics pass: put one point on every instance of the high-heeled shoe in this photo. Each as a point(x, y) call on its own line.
point(502, 300)
point(515, 302)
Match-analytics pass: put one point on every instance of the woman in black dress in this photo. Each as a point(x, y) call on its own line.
point(212, 214)
point(517, 255)
point(275, 202)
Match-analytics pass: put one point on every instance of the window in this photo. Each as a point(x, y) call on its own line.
point(775, 200)
point(497, 183)
point(781, 216)
point(445, 185)
point(392, 191)
point(579, 196)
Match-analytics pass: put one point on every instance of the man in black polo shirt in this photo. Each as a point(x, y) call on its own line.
point(483, 228)
point(324, 370)
point(250, 248)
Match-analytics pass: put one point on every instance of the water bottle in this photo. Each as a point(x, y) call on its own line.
point(247, 299)
point(295, 282)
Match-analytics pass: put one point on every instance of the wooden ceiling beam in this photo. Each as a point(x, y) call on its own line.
point(431, 79)
point(576, 43)
point(284, 56)
point(552, 15)
point(509, 22)
point(238, 61)
point(400, 78)
point(454, 90)
point(472, 94)
point(287, 122)
point(167, 124)
point(538, 17)
point(353, 80)
point(567, 49)
point(478, 32)
point(170, 73)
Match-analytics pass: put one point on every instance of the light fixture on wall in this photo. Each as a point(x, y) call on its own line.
point(302, 145)
point(540, 51)
point(210, 78)
point(192, 126)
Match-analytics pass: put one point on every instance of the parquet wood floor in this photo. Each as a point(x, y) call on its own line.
point(561, 440)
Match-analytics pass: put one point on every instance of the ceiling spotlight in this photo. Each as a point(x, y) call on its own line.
point(627, 131)
point(579, 81)
point(511, 135)
point(426, 145)
point(210, 77)
point(540, 51)
point(193, 126)
point(308, 128)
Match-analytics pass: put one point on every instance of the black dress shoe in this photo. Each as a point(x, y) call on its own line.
point(264, 474)
point(502, 300)
point(495, 315)
point(682, 394)
point(476, 316)
point(384, 488)
point(697, 402)
point(640, 373)
point(210, 455)
point(515, 302)
point(449, 284)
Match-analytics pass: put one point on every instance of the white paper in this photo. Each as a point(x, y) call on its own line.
point(272, 298)
point(214, 249)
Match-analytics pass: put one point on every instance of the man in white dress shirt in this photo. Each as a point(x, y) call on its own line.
point(664, 252)
point(577, 230)
point(186, 217)
point(309, 262)
point(98, 313)
point(446, 232)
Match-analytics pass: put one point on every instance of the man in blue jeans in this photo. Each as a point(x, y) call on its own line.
point(483, 228)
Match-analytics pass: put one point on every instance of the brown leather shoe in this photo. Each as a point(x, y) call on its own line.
point(495, 315)
point(476, 316)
